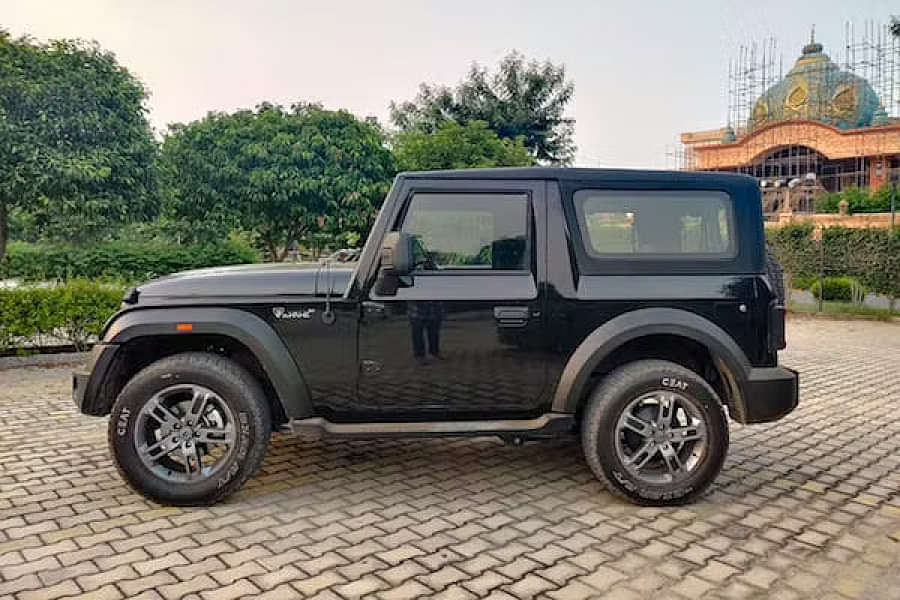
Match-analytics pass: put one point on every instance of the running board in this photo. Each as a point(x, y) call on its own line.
point(548, 425)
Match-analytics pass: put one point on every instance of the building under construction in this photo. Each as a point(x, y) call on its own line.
point(824, 126)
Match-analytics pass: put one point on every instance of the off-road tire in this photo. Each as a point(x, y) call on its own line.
point(234, 385)
point(598, 429)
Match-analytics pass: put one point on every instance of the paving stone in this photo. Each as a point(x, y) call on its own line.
point(132, 587)
point(573, 591)
point(530, 586)
point(107, 592)
point(716, 571)
point(406, 591)
point(191, 586)
point(168, 561)
point(246, 570)
point(54, 576)
point(692, 587)
point(238, 589)
point(318, 583)
point(282, 592)
point(403, 572)
point(64, 588)
point(602, 578)
point(759, 577)
point(26, 582)
point(442, 578)
point(121, 573)
point(360, 587)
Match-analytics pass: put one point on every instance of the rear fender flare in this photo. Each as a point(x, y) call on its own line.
point(604, 340)
point(242, 326)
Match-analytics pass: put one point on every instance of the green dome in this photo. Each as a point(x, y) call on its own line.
point(817, 89)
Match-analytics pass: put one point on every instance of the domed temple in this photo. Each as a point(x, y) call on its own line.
point(820, 127)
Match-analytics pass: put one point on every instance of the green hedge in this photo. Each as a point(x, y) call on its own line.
point(117, 260)
point(869, 256)
point(859, 200)
point(72, 313)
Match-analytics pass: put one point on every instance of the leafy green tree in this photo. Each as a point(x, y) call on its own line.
point(455, 146)
point(526, 99)
point(76, 150)
point(282, 174)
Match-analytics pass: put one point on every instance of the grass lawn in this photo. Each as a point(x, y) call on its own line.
point(846, 309)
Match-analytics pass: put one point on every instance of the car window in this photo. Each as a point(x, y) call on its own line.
point(469, 231)
point(657, 223)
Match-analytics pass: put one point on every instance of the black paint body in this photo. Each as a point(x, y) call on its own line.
point(513, 345)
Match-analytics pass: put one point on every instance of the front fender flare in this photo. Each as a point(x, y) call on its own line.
point(604, 340)
point(242, 326)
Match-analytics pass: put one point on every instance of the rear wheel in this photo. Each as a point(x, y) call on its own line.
point(655, 433)
point(189, 429)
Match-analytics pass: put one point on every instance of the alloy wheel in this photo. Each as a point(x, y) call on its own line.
point(185, 433)
point(661, 437)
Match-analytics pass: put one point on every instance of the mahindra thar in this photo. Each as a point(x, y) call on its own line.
point(636, 310)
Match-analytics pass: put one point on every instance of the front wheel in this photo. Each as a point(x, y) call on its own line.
point(655, 433)
point(189, 429)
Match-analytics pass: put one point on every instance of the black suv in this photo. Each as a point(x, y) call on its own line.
point(637, 309)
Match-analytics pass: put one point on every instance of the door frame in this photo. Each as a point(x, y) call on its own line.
point(536, 191)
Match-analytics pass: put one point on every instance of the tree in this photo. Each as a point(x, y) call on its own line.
point(282, 174)
point(526, 99)
point(76, 150)
point(455, 146)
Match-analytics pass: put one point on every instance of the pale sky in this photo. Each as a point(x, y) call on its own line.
point(644, 71)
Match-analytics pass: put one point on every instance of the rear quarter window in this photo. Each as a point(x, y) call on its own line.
point(656, 224)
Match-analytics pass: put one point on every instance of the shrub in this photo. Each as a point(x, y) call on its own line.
point(881, 200)
point(118, 260)
point(844, 289)
point(828, 203)
point(859, 200)
point(73, 313)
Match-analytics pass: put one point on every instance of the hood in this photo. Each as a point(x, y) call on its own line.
point(246, 282)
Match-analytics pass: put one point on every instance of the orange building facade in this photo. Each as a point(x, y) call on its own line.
point(817, 130)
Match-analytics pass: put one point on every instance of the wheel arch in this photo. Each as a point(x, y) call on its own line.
point(143, 336)
point(614, 342)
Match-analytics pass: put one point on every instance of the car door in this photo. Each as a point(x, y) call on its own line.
point(464, 337)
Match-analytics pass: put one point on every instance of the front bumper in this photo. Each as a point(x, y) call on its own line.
point(87, 383)
point(770, 393)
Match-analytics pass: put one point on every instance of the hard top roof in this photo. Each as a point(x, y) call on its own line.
point(583, 175)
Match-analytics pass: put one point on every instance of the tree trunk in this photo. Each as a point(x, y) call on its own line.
point(4, 228)
point(269, 243)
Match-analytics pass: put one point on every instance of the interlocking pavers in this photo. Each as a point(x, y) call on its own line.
point(806, 507)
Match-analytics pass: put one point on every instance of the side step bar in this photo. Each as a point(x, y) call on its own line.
point(548, 425)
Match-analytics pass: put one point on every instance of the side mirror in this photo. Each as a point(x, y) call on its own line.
point(397, 261)
point(397, 254)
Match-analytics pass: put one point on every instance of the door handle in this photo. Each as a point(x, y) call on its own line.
point(511, 316)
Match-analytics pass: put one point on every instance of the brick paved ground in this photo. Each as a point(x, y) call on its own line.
point(806, 508)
